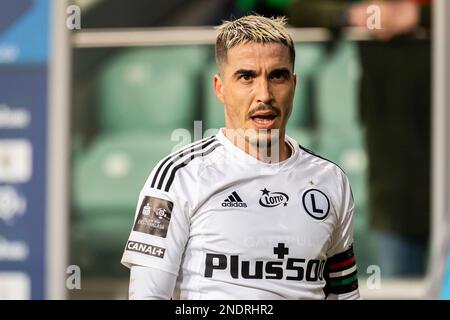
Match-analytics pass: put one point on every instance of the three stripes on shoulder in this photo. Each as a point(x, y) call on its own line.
point(168, 167)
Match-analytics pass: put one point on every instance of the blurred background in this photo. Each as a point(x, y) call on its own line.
point(91, 92)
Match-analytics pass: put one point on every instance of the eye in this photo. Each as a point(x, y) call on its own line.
point(245, 77)
point(278, 75)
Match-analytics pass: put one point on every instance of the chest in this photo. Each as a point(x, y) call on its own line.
point(267, 217)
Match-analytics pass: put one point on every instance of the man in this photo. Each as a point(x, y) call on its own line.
point(248, 213)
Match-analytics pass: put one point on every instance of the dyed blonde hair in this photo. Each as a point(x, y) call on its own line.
point(252, 28)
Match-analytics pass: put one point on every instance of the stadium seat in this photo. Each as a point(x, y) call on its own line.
point(301, 125)
point(305, 137)
point(348, 151)
point(119, 164)
point(150, 88)
point(309, 57)
point(336, 88)
point(107, 179)
point(213, 109)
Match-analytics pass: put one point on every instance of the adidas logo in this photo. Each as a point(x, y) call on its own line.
point(234, 200)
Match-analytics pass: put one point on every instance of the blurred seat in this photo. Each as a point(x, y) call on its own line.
point(336, 88)
point(308, 61)
point(213, 109)
point(302, 123)
point(305, 137)
point(107, 180)
point(348, 151)
point(150, 88)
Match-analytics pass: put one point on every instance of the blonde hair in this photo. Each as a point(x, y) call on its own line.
point(252, 28)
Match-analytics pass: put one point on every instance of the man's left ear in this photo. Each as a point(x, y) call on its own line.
point(218, 87)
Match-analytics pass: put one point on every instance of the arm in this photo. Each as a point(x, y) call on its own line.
point(150, 284)
point(157, 241)
point(342, 277)
point(341, 269)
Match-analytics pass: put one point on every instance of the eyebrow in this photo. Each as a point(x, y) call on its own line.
point(252, 73)
point(245, 72)
point(284, 71)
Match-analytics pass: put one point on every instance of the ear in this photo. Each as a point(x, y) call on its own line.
point(218, 88)
point(294, 75)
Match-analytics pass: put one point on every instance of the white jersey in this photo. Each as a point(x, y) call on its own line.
point(232, 227)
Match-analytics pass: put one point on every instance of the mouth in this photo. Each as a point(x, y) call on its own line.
point(264, 120)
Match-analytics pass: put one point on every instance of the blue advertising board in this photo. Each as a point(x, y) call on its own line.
point(24, 33)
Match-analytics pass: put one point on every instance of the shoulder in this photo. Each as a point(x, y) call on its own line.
point(322, 163)
point(336, 180)
point(187, 160)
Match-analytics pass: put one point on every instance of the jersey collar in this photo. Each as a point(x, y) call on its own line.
point(242, 155)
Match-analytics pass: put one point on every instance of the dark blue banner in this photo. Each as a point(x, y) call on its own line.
point(24, 28)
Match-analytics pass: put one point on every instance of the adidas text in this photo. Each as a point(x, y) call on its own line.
point(234, 204)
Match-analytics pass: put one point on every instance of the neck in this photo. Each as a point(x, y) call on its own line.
point(276, 150)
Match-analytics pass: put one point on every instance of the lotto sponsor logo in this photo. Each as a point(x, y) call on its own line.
point(271, 199)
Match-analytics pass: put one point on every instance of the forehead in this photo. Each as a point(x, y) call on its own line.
point(258, 55)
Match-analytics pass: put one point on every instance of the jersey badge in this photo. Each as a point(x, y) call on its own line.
point(154, 216)
point(316, 203)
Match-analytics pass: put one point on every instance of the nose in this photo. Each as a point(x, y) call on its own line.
point(264, 93)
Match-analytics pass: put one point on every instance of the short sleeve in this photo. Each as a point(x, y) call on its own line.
point(341, 268)
point(159, 232)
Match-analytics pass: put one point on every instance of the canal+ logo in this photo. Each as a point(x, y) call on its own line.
point(270, 199)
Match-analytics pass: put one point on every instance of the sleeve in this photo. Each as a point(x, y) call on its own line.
point(160, 230)
point(341, 269)
point(150, 284)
